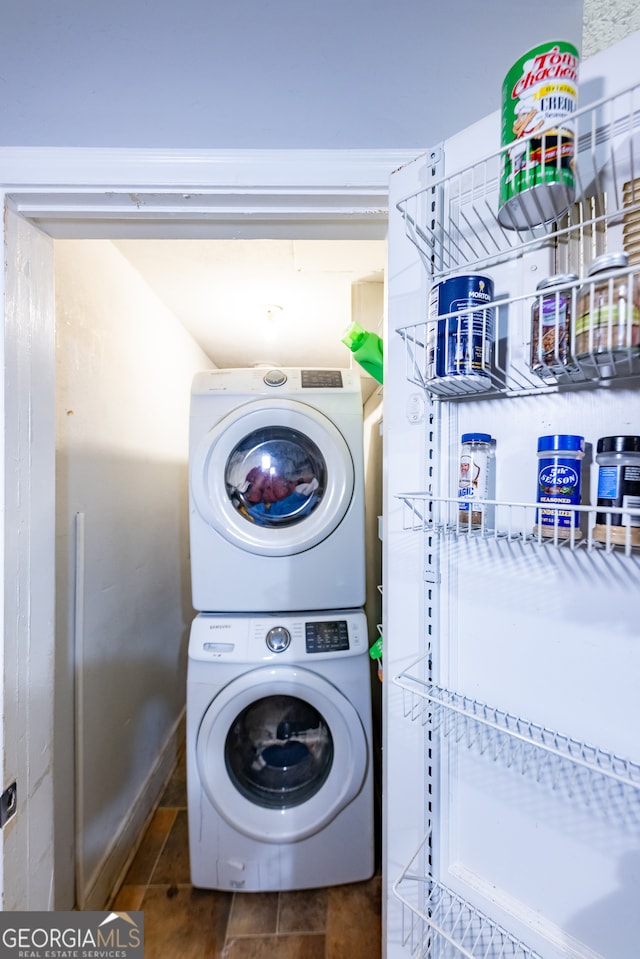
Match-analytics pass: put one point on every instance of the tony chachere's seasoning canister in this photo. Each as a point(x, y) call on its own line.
point(551, 324)
point(559, 484)
point(475, 480)
point(618, 459)
point(539, 95)
point(609, 308)
point(460, 331)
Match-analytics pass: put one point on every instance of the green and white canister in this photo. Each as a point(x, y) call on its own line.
point(539, 95)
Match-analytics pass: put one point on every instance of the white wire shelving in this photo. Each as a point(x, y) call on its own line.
point(454, 225)
point(583, 770)
point(454, 221)
point(439, 923)
point(610, 351)
point(518, 522)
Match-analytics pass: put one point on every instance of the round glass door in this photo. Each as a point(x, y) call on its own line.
point(276, 477)
point(273, 478)
point(279, 751)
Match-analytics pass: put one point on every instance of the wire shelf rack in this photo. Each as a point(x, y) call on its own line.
point(442, 925)
point(454, 224)
point(454, 221)
point(518, 523)
point(594, 774)
point(602, 344)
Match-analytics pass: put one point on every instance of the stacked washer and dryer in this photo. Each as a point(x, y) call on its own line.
point(279, 756)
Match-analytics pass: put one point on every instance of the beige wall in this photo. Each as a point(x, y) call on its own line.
point(123, 376)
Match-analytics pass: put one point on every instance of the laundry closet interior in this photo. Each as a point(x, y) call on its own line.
point(125, 364)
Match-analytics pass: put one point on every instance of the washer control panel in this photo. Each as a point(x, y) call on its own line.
point(287, 637)
point(278, 639)
point(327, 636)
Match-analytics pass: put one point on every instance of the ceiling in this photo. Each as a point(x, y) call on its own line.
point(279, 302)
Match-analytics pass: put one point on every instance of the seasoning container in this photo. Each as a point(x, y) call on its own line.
point(475, 480)
point(559, 484)
point(460, 331)
point(551, 324)
point(618, 459)
point(539, 95)
point(608, 317)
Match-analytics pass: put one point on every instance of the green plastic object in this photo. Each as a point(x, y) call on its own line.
point(366, 348)
point(376, 650)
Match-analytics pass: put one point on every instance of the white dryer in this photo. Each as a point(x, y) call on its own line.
point(279, 765)
point(276, 491)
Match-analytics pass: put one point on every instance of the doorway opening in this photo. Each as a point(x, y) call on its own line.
point(135, 320)
point(329, 211)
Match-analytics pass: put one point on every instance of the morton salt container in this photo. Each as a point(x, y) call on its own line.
point(618, 459)
point(460, 331)
point(539, 94)
point(559, 484)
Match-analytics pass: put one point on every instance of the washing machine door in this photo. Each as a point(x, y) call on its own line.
point(274, 477)
point(280, 752)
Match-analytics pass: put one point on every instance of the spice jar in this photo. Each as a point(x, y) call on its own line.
point(559, 483)
point(475, 480)
point(551, 324)
point(608, 308)
point(618, 459)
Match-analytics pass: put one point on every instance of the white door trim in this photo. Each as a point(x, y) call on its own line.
point(107, 193)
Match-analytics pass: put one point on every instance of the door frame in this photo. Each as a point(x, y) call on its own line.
point(61, 193)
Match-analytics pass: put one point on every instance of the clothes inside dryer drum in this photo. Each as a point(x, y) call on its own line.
point(279, 752)
point(276, 476)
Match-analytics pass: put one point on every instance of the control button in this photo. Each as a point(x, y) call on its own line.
point(278, 639)
point(275, 378)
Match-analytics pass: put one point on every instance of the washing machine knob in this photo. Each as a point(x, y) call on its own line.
point(278, 639)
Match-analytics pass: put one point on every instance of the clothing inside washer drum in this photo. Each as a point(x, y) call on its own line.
point(275, 476)
point(279, 752)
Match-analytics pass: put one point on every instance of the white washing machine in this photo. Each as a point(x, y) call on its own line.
point(276, 491)
point(279, 764)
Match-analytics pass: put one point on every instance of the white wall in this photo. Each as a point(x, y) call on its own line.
point(261, 73)
point(123, 377)
point(606, 22)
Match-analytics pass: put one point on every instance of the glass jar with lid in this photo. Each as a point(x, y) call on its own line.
point(476, 481)
point(608, 318)
point(551, 317)
point(618, 459)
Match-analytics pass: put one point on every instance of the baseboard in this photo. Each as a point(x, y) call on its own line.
point(117, 859)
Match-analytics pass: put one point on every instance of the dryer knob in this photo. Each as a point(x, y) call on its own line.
point(278, 639)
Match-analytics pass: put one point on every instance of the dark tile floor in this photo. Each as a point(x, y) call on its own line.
point(182, 922)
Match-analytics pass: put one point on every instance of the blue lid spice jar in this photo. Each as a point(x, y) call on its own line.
point(559, 484)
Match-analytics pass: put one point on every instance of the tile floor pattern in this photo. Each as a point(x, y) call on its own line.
point(182, 922)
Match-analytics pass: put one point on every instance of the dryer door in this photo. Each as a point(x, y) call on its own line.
point(280, 751)
point(274, 477)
